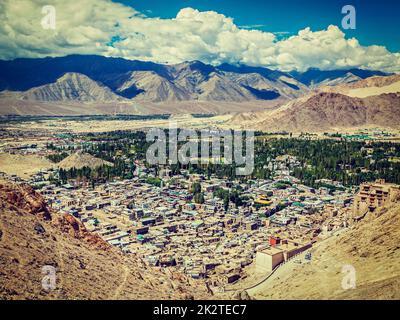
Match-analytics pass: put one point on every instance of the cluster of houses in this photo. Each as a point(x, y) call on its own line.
point(165, 226)
point(278, 218)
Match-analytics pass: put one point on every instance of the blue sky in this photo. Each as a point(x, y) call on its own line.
point(378, 22)
point(285, 35)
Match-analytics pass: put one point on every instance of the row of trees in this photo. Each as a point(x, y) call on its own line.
point(350, 162)
point(121, 169)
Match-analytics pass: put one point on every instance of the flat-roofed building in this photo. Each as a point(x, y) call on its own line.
point(268, 258)
point(374, 195)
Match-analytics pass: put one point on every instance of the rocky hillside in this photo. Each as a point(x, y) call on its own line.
point(149, 86)
point(371, 246)
point(190, 84)
point(33, 236)
point(321, 111)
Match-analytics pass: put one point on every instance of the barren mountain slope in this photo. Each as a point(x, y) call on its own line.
point(367, 87)
point(326, 111)
point(149, 86)
point(32, 236)
point(320, 112)
point(384, 110)
point(346, 79)
point(99, 79)
point(374, 101)
point(331, 110)
point(284, 86)
point(220, 88)
point(371, 247)
point(72, 87)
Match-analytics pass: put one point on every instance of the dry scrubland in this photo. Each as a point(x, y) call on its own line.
point(63, 125)
point(58, 108)
point(23, 165)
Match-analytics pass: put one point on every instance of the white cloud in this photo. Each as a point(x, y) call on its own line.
point(107, 28)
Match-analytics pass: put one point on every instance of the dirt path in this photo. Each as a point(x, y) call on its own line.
point(61, 268)
point(126, 272)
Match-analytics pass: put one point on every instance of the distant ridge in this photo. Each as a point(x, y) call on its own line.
point(96, 78)
point(313, 77)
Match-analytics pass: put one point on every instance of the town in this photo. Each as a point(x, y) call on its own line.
point(229, 232)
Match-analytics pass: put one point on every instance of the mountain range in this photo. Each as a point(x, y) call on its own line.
point(100, 79)
point(256, 96)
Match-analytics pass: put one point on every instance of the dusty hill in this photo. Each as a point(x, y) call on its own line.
point(327, 111)
point(321, 111)
point(371, 247)
point(324, 111)
point(367, 87)
point(32, 236)
point(79, 160)
point(374, 101)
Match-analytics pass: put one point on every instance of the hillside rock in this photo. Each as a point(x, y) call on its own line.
point(149, 86)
